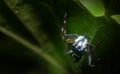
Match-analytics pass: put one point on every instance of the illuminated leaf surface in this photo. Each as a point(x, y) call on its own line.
point(95, 7)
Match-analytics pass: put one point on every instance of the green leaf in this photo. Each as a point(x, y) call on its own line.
point(116, 18)
point(95, 7)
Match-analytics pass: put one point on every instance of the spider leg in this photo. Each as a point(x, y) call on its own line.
point(92, 53)
point(92, 50)
point(69, 52)
point(65, 36)
point(76, 58)
point(89, 61)
point(63, 29)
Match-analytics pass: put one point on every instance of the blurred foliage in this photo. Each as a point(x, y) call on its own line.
point(116, 17)
point(31, 41)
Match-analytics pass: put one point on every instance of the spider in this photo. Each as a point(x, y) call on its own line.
point(80, 45)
